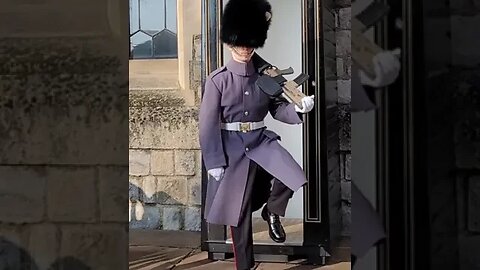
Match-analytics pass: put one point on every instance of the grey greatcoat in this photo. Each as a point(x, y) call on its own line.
point(231, 95)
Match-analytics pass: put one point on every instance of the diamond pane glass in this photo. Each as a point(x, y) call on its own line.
point(165, 44)
point(171, 15)
point(141, 44)
point(152, 15)
point(134, 23)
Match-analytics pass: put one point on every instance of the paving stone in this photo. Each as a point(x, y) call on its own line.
point(157, 258)
point(180, 239)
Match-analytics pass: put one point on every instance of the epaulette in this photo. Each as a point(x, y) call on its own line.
point(218, 71)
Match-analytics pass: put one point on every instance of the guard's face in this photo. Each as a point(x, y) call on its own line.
point(242, 54)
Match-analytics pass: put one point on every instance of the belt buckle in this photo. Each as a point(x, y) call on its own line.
point(245, 127)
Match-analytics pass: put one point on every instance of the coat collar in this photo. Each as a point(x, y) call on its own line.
point(242, 69)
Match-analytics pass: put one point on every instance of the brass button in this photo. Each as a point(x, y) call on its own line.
point(247, 93)
point(246, 113)
point(247, 149)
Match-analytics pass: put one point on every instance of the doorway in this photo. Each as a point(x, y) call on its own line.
point(305, 30)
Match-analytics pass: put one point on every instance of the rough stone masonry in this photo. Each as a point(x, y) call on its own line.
point(344, 63)
point(64, 85)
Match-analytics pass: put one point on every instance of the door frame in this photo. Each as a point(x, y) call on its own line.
point(401, 145)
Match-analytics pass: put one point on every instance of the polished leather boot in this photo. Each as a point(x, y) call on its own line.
point(275, 228)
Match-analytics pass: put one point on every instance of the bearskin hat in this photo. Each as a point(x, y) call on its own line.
point(246, 23)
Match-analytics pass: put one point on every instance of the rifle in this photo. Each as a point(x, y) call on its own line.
point(272, 82)
point(363, 49)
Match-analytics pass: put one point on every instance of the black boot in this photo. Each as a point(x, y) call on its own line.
point(275, 228)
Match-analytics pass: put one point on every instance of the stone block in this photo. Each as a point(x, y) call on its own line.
point(197, 47)
point(113, 194)
point(72, 195)
point(342, 166)
point(346, 191)
point(344, 91)
point(343, 3)
point(344, 118)
point(148, 190)
point(139, 162)
point(101, 247)
point(346, 219)
point(146, 217)
point(13, 248)
point(22, 194)
point(162, 162)
point(137, 210)
point(344, 44)
point(172, 218)
point(198, 162)
point(193, 219)
point(172, 190)
point(195, 190)
point(345, 18)
point(184, 162)
point(134, 188)
point(43, 244)
point(348, 167)
point(344, 67)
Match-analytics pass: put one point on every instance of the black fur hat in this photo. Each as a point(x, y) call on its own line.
point(246, 23)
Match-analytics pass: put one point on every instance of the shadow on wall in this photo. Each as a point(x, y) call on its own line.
point(145, 213)
point(13, 257)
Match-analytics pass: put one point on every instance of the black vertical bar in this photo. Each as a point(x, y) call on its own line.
point(209, 63)
point(138, 5)
point(165, 14)
point(316, 220)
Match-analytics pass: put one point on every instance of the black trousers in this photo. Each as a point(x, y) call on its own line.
point(258, 191)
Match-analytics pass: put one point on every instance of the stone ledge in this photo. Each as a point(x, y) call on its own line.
point(155, 98)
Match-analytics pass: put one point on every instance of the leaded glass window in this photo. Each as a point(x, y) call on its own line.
point(153, 29)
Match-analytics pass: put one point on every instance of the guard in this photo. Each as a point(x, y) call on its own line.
point(242, 156)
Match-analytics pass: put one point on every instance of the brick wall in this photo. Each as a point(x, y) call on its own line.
point(344, 61)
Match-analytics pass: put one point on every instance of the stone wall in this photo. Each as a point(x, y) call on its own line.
point(344, 62)
point(165, 171)
point(63, 117)
point(165, 158)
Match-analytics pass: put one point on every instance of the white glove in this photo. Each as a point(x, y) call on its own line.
point(387, 69)
point(217, 173)
point(307, 104)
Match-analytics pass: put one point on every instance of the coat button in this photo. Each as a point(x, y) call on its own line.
point(247, 149)
point(246, 113)
point(247, 93)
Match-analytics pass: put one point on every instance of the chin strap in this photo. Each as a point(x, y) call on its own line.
point(253, 51)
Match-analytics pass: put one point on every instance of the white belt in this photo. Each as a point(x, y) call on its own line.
point(242, 126)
